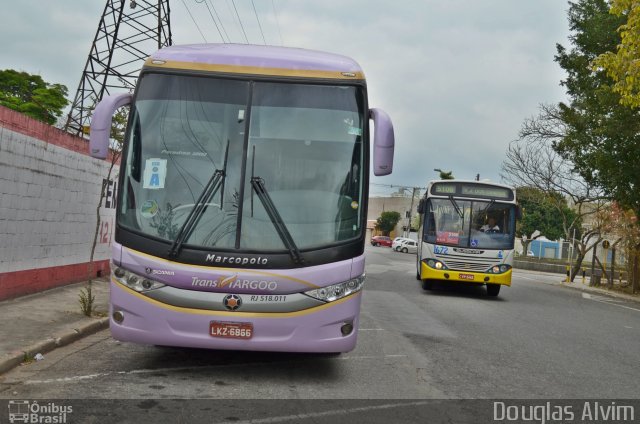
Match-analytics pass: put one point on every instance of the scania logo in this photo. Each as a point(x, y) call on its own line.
point(232, 302)
point(148, 270)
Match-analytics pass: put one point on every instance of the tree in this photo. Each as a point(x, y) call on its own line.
point(445, 175)
point(622, 66)
point(387, 222)
point(32, 96)
point(539, 213)
point(601, 137)
point(118, 127)
point(602, 128)
point(561, 200)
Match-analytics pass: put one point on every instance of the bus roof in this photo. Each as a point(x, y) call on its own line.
point(256, 60)
point(486, 182)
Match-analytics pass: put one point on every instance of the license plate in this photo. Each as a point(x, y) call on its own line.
point(231, 330)
point(467, 276)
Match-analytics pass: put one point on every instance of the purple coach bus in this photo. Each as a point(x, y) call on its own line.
point(241, 217)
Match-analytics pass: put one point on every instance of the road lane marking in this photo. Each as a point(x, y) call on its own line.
point(178, 369)
point(606, 300)
point(313, 415)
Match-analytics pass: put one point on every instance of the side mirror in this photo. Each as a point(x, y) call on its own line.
point(421, 206)
point(101, 123)
point(383, 142)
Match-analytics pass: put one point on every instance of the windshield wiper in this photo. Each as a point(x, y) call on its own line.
point(486, 208)
point(210, 190)
point(213, 185)
point(258, 186)
point(455, 205)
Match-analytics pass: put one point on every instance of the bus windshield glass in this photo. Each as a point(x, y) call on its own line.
point(470, 223)
point(302, 142)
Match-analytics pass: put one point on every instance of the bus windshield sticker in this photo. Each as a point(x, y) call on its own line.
point(355, 131)
point(447, 237)
point(474, 243)
point(149, 209)
point(155, 172)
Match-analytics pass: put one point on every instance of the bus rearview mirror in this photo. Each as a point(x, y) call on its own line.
point(101, 123)
point(383, 142)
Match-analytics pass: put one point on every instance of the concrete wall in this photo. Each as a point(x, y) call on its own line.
point(49, 190)
point(399, 204)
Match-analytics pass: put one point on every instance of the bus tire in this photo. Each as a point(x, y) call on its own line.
point(493, 289)
point(427, 284)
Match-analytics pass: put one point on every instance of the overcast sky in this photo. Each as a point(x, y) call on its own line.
point(457, 77)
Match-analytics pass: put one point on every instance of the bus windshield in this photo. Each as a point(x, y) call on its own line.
point(470, 223)
point(302, 142)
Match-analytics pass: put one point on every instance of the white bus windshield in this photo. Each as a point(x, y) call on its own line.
point(470, 223)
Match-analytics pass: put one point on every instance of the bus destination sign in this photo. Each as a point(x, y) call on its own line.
point(471, 190)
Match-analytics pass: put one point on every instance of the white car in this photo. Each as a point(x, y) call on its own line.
point(408, 246)
point(397, 242)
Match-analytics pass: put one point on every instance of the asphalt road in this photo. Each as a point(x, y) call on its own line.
point(536, 340)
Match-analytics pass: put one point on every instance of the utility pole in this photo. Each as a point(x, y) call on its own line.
point(413, 196)
point(126, 36)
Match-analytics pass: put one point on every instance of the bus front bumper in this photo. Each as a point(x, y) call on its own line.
point(318, 329)
point(428, 273)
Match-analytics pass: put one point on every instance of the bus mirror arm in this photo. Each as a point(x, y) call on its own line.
point(383, 142)
point(101, 123)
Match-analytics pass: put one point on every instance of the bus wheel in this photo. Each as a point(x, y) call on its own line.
point(427, 284)
point(493, 289)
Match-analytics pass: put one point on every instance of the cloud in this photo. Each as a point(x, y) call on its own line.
point(458, 77)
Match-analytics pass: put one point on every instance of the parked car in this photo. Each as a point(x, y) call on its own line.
point(381, 241)
point(397, 242)
point(408, 246)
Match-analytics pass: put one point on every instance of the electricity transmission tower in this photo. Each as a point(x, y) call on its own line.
point(128, 32)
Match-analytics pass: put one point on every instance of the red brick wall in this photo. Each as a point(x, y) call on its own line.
point(33, 128)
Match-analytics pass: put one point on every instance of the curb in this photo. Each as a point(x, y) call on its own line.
point(14, 359)
point(603, 292)
point(583, 287)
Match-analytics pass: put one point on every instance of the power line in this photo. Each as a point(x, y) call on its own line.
point(212, 18)
point(395, 185)
point(240, 20)
point(220, 19)
point(194, 21)
point(275, 12)
point(235, 21)
point(258, 19)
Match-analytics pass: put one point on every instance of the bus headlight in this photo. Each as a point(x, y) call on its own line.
point(135, 281)
point(436, 264)
point(337, 291)
point(499, 269)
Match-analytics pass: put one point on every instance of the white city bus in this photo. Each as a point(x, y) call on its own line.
point(467, 233)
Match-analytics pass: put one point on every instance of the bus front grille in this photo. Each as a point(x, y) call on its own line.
point(468, 266)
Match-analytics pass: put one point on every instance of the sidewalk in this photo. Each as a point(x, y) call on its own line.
point(560, 280)
point(41, 322)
